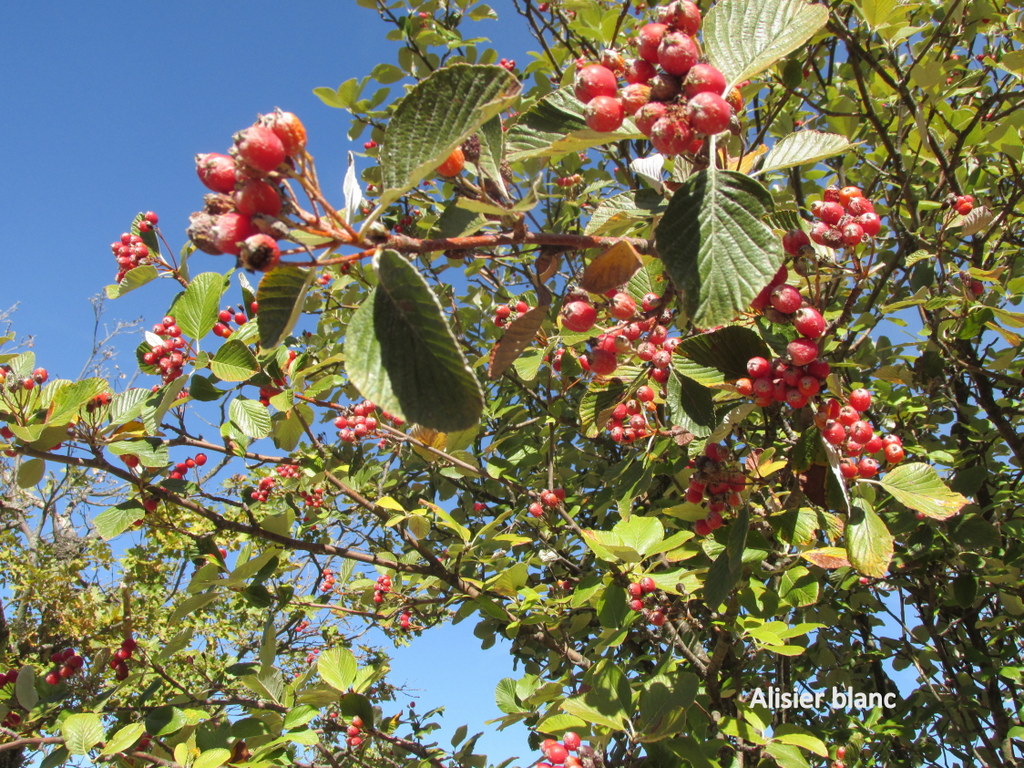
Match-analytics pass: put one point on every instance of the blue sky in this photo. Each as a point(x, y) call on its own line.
point(105, 106)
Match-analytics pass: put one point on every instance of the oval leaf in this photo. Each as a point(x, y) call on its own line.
point(919, 487)
point(869, 545)
point(517, 337)
point(802, 148)
point(401, 354)
point(30, 472)
point(337, 667)
point(827, 557)
point(250, 417)
point(124, 738)
point(81, 732)
point(234, 361)
point(715, 246)
point(195, 310)
point(279, 297)
point(611, 269)
point(745, 37)
point(25, 687)
point(436, 116)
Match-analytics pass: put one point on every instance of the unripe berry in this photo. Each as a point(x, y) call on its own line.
point(453, 164)
point(595, 80)
point(604, 114)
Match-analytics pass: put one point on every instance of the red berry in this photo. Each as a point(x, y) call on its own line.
point(648, 40)
point(682, 15)
point(830, 213)
point(860, 399)
point(809, 322)
point(200, 459)
point(867, 467)
point(758, 367)
point(671, 135)
point(702, 527)
point(52, 678)
point(834, 433)
point(658, 618)
point(802, 351)
point(677, 53)
point(571, 741)
point(648, 115)
point(708, 113)
point(894, 453)
point(622, 306)
point(216, 171)
point(556, 753)
point(536, 509)
point(256, 196)
point(603, 363)
point(260, 253)
point(260, 148)
point(639, 71)
point(595, 80)
point(846, 194)
point(853, 233)
point(579, 316)
point(848, 469)
point(786, 299)
point(647, 585)
point(230, 230)
point(858, 206)
point(794, 241)
point(702, 78)
point(604, 114)
point(634, 589)
point(633, 97)
point(549, 499)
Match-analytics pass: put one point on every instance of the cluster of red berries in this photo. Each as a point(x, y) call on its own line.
point(328, 582)
point(119, 662)
point(287, 471)
point(405, 620)
point(675, 99)
point(845, 427)
point(628, 421)
point(241, 218)
point(840, 754)
point(963, 204)
point(506, 313)
point(569, 181)
point(166, 354)
point(549, 499)
point(718, 483)
point(361, 421)
point(557, 752)
point(509, 64)
point(354, 732)
point(313, 498)
point(182, 467)
point(638, 591)
point(263, 489)
point(13, 384)
point(130, 251)
point(67, 665)
point(224, 319)
point(102, 399)
point(380, 588)
point(845, 218)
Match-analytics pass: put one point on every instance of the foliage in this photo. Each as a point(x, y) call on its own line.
point(486, 486)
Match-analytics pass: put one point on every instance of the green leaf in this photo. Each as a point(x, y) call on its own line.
point(802, 148)
point(919, 487)
point(787, 755)
point(505, 696)
point(436, 116)
point(115, 520)
point(134, 278)
point(401, 354)
point(745, 37)
point(715, 246)
point(616, 720)
point(211, 758)
point(728, 566)
point(787, 733)
point(250, 417)
point(123, 739)
point(234, 361)
point(299, 716)
point(554, 126)
point(81, 732)
point(280, 297)
point(30, 472)
point(195, 310)
point(724, 349)
point(663, 704)
point(869, 545)
point(642, 534)
point(337, 668)
point(72, 396)
point(25, 687)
